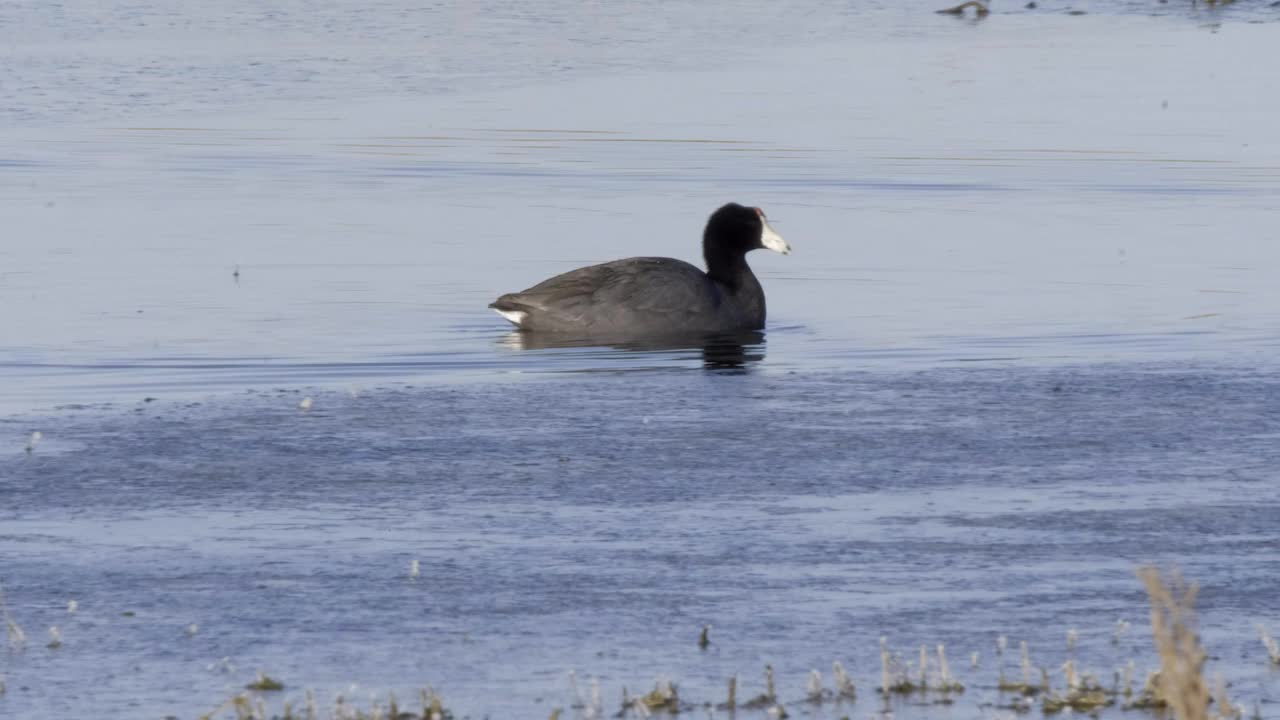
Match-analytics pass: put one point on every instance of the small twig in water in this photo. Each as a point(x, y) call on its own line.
point(844, 684)
point(1273, 648)
point(979, 9)
point(264, 683)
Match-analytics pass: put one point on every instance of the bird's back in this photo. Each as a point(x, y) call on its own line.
point(635, 295)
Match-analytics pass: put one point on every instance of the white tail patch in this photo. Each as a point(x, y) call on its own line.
point(515, 317)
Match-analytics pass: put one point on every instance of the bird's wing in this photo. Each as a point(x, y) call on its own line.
point(613, 293)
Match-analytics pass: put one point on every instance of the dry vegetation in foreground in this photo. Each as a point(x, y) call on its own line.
point(1177, 689)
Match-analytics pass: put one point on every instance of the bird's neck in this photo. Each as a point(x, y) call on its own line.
point(730, 269)
point(735, 279)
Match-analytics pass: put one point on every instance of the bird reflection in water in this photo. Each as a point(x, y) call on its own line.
point(722, 352)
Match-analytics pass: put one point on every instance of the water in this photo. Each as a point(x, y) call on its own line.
point(1025, 343)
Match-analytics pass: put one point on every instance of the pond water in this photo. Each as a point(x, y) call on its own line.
point(1025, 343)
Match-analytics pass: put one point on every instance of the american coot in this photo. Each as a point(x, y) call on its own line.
point(654, 295)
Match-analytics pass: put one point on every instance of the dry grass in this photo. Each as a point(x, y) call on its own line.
point(1268, 642)
point(1180, 683)
point(1178, 689)
point(17, 639)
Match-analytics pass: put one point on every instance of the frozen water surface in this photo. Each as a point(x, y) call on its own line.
point(1026, 342)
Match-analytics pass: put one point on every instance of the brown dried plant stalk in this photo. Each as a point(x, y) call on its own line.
point(1181, 683)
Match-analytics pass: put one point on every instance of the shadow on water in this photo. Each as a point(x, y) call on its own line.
point(721, 352)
